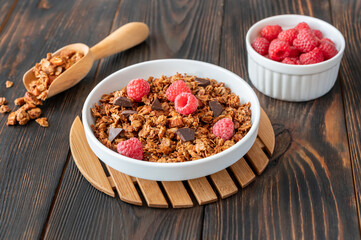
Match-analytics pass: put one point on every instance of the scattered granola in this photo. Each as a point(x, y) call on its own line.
point(42, 121)
point(4, 109)
point(165, 134)
point(9, 84)
point(3, 101)
point(45, 73)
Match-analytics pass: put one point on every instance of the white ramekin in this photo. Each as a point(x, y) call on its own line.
point(293, 82)
point(172, 171)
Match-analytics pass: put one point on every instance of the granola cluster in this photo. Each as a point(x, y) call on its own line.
point(159, 127)
point(50, 68)
point(45, 73)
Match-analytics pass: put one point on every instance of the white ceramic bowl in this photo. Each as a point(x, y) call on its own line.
point(293, 82)
point(171, 171)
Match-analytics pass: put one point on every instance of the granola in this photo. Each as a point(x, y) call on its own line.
point(45, 73)
point(9, 84)
point(158, 130)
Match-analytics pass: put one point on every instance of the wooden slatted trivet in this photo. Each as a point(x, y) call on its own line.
point(256, 160)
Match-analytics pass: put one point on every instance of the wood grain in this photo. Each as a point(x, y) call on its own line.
point(32, 158)
point(177, 194)
point(346, 18)
point(301, 194)
point(125, 187)
point(152, 193)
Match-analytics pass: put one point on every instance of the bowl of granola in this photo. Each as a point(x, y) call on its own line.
point(171, 119)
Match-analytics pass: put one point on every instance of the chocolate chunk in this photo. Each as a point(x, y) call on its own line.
point(113, 133)
point(123, 102)
point(156, 105)
point(216, 108)
point(127, 113)
point(186, 134)
point(202, 82)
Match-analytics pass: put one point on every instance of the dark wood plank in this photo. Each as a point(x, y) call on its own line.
point(306, 192)
point(177, 29)
point(32, 158)
point(346, 17)
point(86, 213)
point(6, 9)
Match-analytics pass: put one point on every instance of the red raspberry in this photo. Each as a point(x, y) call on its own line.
point(302, 25)
point(175, 89)
point(271, 32)
point(314, 56)
point(288, 35)
point(327, 40)
point(317, 33)
point(137, 88)
point(278, 50)
point(305, 41)
point(288, 60)
point(224, 128)
point(185, 103)
point(328, 49)
point(131, 148)
point(294, 52)
point(261, 45)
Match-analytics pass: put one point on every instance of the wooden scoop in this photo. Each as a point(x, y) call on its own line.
point(123, 38)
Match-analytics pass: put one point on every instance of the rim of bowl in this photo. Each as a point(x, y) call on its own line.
point(88, 104)
point(296, 69)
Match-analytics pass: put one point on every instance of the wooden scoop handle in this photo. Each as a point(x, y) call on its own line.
point(123, 38)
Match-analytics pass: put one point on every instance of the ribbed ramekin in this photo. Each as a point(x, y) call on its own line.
point(293, 82)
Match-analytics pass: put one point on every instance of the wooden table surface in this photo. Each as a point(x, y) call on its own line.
point(310, 190)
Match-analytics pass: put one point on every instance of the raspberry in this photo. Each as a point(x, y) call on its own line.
point(278, 50)
point(302, 25)
point(317, 33)
point(305, 41)
point(185, 103)
point(224, 129)
point(137, 88)
point(261, 45)
point(294, 52)
point(328, 49)
point(271, 32)
point(327, 40)
point(175, 89)
point(288, 35)
point(131, 148)
point(314, 56)
point(288, 60)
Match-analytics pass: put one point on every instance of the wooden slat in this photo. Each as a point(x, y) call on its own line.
point(177, 194)
point(257, 157)
point(224, 183)
point(243, 172)
point(86, 161)
point(125, 187)
point(202, 190)
point(152, 193)
point(266, 133)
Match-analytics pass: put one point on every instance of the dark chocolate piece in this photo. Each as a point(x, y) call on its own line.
point(127, 113)
point(202, 82)
point(186, 134)
point(113, 133)
point(156, 105)
point(216, 108)
point(123, 102)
